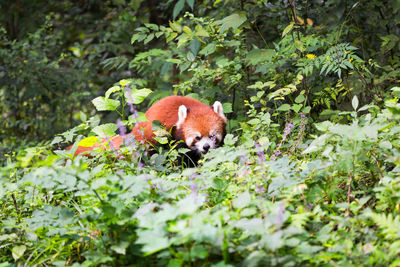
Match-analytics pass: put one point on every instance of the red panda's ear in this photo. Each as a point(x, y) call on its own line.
point(217, 107)
point(182, 114)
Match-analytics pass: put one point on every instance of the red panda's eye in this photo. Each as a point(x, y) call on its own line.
point(198, 138)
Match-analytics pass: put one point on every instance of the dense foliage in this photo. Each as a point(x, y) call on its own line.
point(308, 174)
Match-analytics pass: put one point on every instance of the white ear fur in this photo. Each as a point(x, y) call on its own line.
point(182, 114)
point(217, 106)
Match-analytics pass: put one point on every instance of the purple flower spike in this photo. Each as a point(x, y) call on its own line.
point(121, 127)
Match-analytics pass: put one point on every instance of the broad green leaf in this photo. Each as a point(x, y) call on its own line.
point(296, 107)
point(105, 130)
point(190, 3)
point(284, 107)
point(178, 8)
point(120, 247)
point(299, 45)
point(233, 21)
point(242, 200)
point(102, 103)
point(18, 252)
point(300, 99)
point(209, 49)
point(256, 56)
point(138, 95)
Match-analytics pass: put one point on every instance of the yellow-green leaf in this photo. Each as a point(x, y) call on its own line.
point(88, 141)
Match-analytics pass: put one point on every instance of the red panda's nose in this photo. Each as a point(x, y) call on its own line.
point(206, 147)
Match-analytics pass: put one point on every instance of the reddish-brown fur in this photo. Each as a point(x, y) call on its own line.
point(200, 116)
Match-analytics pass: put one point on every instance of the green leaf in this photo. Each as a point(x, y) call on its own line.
point(102, 103)
point(354, 102)
point(256, 56)
point(200, 32)
point(242, 200)
point(120, 248)
point(233, 21)
point(190, 56)
point(288, 29)
point(175, 26)
point(105, 130)
point(112, 90)
point(296, 107)
point(209, 49)
point(18, 252)
point(137, 96)
point(190, 3)
point(227, 107)
point(149, 38)
point(178, 8)
point(187, 30)
point(284, 107)
point(56, 140)
point(300, 99)
point(299, 45)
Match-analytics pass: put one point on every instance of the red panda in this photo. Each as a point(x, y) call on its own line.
point(200, 126)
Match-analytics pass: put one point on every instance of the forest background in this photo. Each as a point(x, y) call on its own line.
point(309, 173)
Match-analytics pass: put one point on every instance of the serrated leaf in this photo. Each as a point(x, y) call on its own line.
point(103, 104)
point(105, 130)
point(233, 21)
point(227, 107)
point(88, 141)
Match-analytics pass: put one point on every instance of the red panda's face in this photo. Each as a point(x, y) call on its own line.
point(202, 129)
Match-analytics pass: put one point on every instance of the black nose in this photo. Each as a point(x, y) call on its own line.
point(206, 147)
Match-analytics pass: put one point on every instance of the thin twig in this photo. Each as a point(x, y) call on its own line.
point(349, 194)
point(377, 165)
point(16, 207)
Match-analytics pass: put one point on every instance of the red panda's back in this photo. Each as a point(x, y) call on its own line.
point(166, 109)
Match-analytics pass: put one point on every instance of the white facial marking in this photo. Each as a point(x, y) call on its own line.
point(204, 142)
point(182, 114)
point(217, 107)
